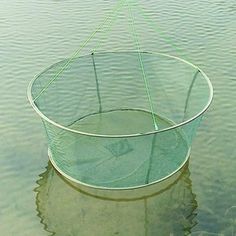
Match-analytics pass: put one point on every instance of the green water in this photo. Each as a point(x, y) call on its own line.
point(37, 34)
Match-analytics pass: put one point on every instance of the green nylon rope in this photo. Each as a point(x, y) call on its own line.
point(135, 36)
point(169, 41)
point(119, 5)
point(149, 21)
point(110, 25)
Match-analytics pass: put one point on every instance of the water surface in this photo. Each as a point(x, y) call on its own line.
point(35, 35)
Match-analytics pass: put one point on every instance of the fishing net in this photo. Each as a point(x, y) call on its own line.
point(118, 115)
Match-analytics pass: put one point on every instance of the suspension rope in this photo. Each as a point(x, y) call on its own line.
point(135, 36)
point(116, 8)
point(169, 41)
point(149, 21)
point(109, 26)
point(97, 84)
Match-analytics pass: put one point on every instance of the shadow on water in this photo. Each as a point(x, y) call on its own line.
point(65, 209)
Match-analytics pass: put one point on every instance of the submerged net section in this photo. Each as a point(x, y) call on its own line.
point(120, 162)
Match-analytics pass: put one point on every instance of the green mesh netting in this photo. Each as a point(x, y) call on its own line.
point(118, 115)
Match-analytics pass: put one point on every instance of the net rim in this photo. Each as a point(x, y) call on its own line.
point(44, 117)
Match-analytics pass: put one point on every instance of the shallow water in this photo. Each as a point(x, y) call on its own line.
point(35, 35)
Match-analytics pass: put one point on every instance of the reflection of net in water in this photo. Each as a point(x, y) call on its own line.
point(66, 210)
point(117, 114)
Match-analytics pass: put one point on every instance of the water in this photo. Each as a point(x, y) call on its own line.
point(35, 35)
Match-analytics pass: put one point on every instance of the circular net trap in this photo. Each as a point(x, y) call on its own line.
point(118, 115)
